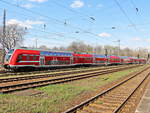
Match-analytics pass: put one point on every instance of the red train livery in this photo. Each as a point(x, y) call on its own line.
point(25, 57)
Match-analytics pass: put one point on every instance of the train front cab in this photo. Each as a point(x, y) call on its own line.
point(21, 58)
point(8, 58)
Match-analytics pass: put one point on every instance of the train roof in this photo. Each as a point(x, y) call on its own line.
point(133, 57)
point(113, 56)
point(25, 48)
point(83, 55)
point(124, 56)
point(99, 55)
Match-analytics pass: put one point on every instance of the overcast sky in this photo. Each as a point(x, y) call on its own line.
point(96, 22)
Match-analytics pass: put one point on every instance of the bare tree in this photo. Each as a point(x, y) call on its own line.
point(80, 47)
point(13, 37)
point(73, 47)
point(44, 47)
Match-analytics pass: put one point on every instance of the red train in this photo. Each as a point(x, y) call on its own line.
point(25, 57)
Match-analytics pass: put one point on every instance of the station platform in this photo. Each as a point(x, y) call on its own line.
point(144, 105)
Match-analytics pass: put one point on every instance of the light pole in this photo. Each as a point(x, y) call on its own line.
point(4, 36)
point(36, 42)
point(118, 46)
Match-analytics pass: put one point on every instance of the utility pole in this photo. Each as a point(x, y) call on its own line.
point(138, 56)
point(4, 23)
point(36, 42)
point(118, 47)
point(148, 57)
point(4, 36)
point(106, 52)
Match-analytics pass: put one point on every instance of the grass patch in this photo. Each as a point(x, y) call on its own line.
point(57, 97)
point(100, 102)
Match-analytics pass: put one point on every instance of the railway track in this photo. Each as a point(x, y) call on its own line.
point(113, 99)
point(8, 73)
point(45, 75)
point(5, 73)
point(7, 87)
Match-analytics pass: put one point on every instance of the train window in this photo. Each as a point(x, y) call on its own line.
point(7, 57)
point(19, 58)
point(28, 57)
point(34, 57)
point(51, 54)
point(11, 51)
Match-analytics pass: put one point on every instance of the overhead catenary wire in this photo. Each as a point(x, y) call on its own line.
point(89, 18)
point(51, 34)
point(54, 33)
point(125, 14)
point(62, 22)
point(56, 20)
point(128, 18)
point(136, 8)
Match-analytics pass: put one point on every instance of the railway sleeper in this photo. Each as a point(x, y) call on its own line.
point(93, 109)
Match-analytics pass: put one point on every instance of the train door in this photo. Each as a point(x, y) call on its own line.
point(71, 60)
point(42, 60)
point(108, 60)
point(94, 60)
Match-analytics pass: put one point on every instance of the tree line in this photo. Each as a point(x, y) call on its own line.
point(79, 46)
point(13, 36)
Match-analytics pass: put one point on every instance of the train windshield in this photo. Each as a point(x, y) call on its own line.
point(10, 51)
point(8, 55)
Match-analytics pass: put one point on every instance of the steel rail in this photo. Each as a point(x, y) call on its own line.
point(33, 84)
point(2, 80)
point(123, 103)
point(85, 103)
point(11, 73)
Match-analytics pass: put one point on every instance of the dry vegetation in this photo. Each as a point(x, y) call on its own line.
point(111, 50)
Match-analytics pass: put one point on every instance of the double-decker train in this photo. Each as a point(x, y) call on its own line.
point(35, 58)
